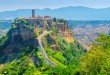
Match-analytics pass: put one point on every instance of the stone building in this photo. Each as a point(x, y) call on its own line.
point(39, 21)
point(24, 32)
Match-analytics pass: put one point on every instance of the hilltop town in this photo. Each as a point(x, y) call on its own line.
point(29, 27)
point(55, 37)
point(43, 45)
point(41, 39)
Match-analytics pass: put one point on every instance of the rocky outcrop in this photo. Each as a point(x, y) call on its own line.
point(23, 33)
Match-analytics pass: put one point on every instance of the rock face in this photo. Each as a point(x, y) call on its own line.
point(22, 35)
point(24, 32)
point(65, 32)
point(24, 28)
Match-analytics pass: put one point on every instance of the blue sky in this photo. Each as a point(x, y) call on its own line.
point(6, 5)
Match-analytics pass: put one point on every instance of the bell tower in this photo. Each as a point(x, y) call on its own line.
point(33, 13)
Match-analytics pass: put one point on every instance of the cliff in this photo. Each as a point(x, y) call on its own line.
point(36, 43)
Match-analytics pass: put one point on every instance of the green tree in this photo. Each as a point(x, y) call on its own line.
point(97, 60)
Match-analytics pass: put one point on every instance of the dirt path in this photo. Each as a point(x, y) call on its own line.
point(47, 60)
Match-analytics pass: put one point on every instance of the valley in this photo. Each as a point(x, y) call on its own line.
point(88, 35)
point(55, 37)
point(43, 45)
point(88, 31)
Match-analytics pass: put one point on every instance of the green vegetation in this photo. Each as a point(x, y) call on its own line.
point(70, 58)
point(5, 40)
point(31, 61)
point(22, 66)
point(97, 60)
point(2, 40)
point(23, 22)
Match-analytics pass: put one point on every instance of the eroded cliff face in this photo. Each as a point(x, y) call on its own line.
point(23, 34)
point(31, 26)
point(24, 30)
point(20, 36)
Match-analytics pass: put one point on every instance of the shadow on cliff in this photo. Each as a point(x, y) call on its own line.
point(15, 46)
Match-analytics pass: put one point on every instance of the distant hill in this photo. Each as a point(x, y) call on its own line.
point(93, 23)
point(73, 13)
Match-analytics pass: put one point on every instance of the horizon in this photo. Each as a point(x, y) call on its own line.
point(62, 12)
point(53, 8)
point(8, 5)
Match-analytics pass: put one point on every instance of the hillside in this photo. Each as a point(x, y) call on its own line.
point(41, 45)
point(38, 46)
point(84, 31)
point(88, 31)
point(71, 13)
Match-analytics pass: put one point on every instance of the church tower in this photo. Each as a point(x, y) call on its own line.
point(33, 13)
